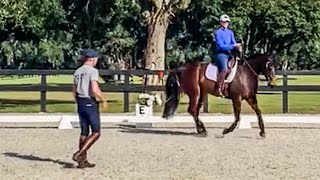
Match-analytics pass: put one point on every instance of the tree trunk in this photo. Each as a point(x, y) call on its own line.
point(155, 52)
point(154, 56)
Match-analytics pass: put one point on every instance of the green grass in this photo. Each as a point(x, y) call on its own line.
point(29, 102)
point(67, 79)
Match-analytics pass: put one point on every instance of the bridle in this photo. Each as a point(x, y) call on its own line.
point(253, 71)
point(242, 56)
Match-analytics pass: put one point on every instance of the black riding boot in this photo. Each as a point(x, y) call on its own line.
point(220, 83)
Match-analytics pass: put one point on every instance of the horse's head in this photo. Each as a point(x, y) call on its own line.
point(265, 64)
point(172, 94)
point(269, 70)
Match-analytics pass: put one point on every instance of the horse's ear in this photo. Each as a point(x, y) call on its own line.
point(269, 53)
point(273, 56)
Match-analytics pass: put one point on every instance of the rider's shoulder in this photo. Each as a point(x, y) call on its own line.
point(221, 30)
point(217, 30)
point(230, 29)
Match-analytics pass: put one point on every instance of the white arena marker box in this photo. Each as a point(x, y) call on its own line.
point(144, 110)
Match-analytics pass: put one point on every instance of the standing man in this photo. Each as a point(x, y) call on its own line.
point(88, 95)
point(225, 43)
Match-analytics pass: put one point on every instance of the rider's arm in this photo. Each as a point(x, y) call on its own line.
point(220, 42)
point(233, 40)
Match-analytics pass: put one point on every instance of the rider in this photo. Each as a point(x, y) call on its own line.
point(225, 42)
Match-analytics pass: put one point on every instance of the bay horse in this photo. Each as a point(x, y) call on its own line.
point(190, 79)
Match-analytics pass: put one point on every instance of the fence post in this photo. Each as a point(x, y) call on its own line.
point(206, 106)
point(43, 93)
point(126, 94)
point(285, 93)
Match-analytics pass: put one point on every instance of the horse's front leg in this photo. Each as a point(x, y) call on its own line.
point(254, 105)
point(237, 109)
point(194, 109)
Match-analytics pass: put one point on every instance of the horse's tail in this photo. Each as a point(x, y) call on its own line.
point(184, 79)
point(172, 89)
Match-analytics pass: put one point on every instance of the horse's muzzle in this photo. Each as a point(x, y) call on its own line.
point(272, 83)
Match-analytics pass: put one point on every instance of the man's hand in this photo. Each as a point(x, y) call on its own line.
point(104, 104)
point(98, 94)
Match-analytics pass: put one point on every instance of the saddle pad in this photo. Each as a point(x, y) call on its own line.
point(212, 73)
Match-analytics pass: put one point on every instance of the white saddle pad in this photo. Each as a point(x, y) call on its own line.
point(212, 73)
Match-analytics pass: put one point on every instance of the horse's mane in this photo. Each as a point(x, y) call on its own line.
point(175, 64)
point(255, 56)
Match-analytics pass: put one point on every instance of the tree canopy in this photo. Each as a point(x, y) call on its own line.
point(49, 34)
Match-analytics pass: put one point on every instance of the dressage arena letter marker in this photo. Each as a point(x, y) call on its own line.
point(142, 110)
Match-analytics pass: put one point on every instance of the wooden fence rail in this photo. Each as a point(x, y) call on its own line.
point(128, 88)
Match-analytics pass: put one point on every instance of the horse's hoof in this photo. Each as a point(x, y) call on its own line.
point(201, 130)
point(225, 131)
point(263, 134)
point(203, 134)
point(219, 136)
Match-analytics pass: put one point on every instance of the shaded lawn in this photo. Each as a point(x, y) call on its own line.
point(67, 79)
point(29, 102)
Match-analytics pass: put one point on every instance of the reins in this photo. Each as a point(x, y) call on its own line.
point(254, 72)
point(247, 63)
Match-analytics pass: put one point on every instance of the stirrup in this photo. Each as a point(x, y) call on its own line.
point(221, 95)
point(220, 92)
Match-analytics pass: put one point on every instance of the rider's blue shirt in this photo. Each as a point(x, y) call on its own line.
point(224, 39)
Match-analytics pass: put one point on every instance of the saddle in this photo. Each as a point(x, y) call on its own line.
point(231, 63)
point(212, 72)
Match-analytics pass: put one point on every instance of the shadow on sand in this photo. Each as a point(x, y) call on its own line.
point(35, 158)
point(132, 129)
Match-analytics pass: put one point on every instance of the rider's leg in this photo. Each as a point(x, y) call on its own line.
point(222, 63)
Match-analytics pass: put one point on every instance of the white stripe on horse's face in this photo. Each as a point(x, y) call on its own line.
point(270, 74)
point(267, 65)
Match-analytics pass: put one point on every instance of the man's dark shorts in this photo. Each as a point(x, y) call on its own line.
point(88, 110)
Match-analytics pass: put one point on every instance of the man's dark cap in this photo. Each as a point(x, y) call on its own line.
point(89, 53)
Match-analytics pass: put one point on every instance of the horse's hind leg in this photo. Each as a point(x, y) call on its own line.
point(237, 110)
point(254, 104)
point(193, 109)
point(198, 121)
